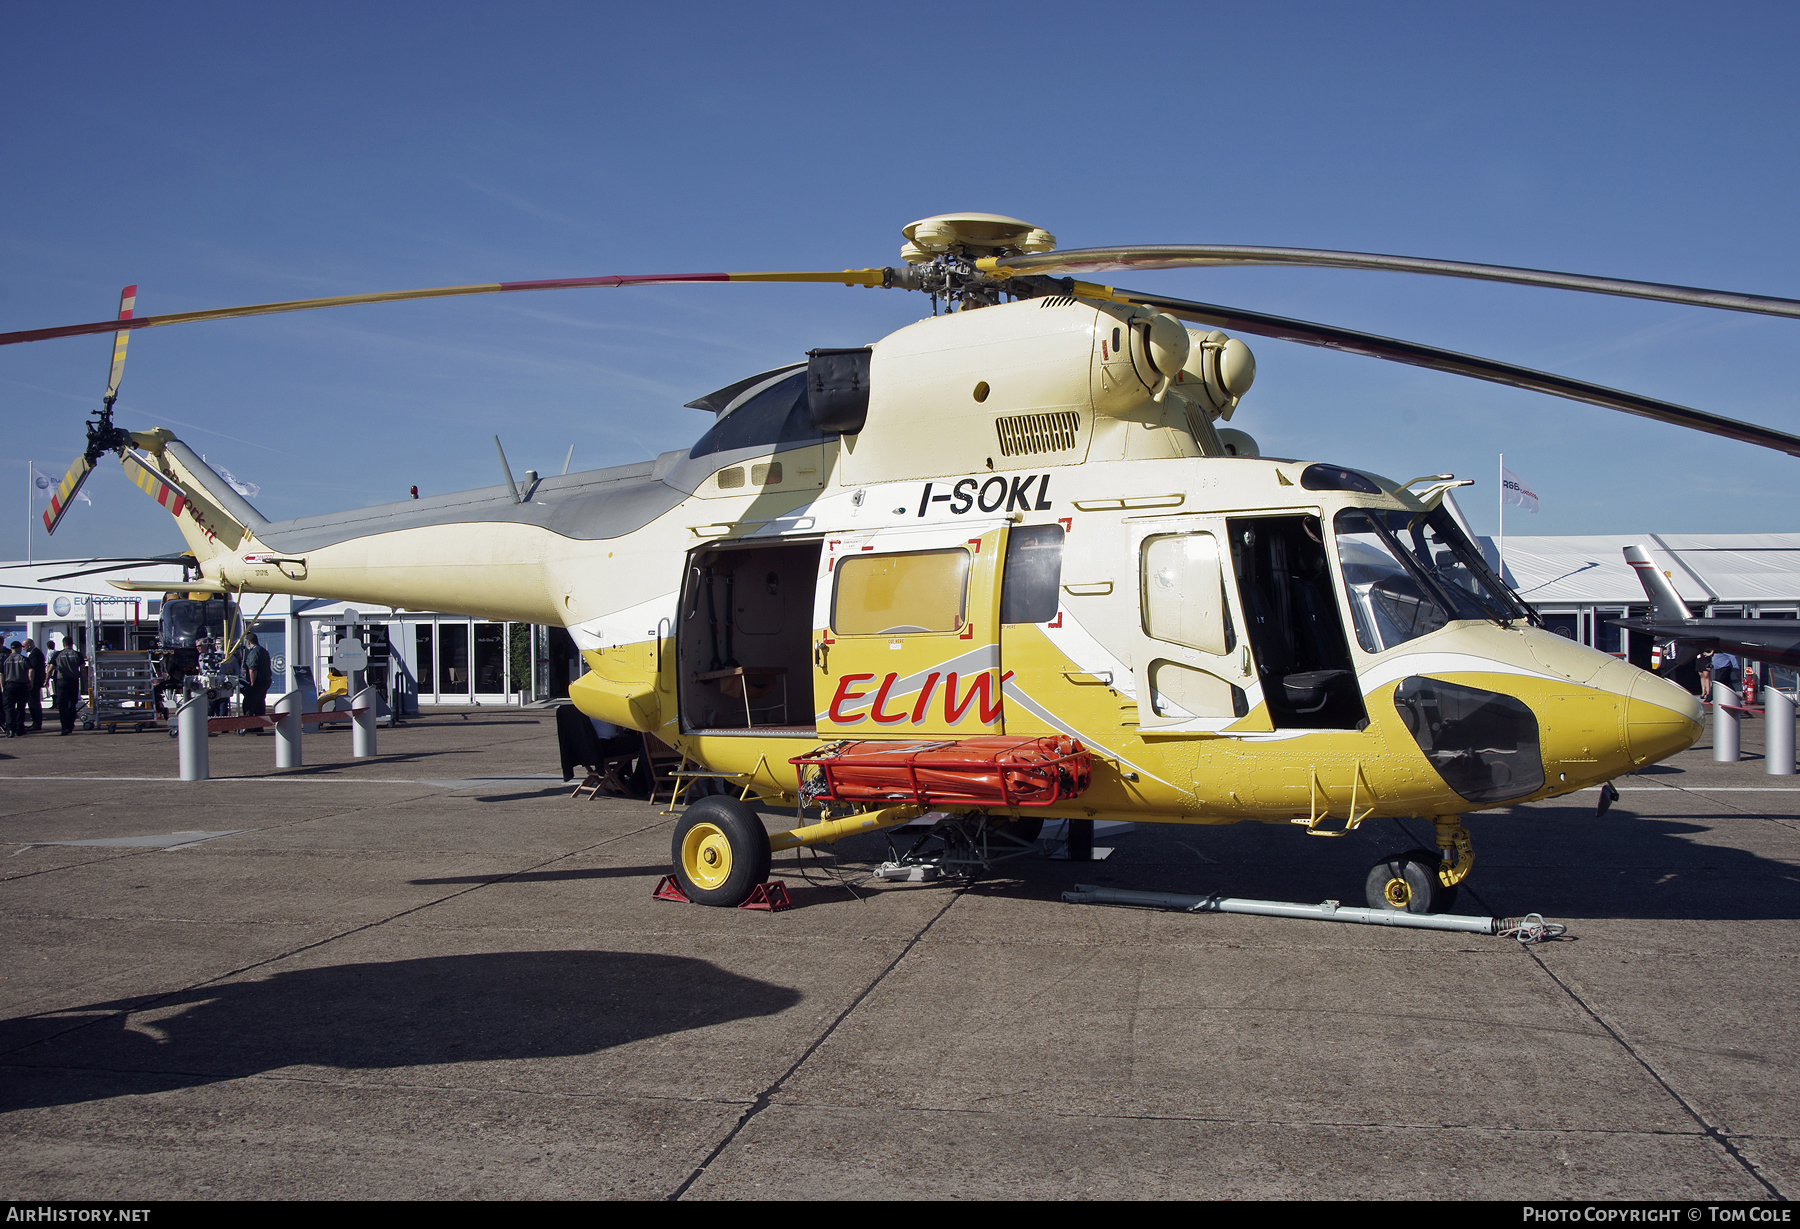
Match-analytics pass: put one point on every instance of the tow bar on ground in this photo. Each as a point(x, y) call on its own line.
point(1531, 928)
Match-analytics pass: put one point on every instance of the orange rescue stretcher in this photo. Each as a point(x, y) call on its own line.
point(992, 770)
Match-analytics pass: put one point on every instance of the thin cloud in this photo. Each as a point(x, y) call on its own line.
point(520, 203)
point(164, 418)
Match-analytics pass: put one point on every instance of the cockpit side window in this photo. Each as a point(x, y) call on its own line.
point(777, 417)
point(1410, 573)
point(1388, 604)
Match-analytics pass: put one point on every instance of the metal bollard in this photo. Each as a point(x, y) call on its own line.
point(286, 710)
point(1725, 724)
point(362, 721)
point(190, 729)
point(1778, 732)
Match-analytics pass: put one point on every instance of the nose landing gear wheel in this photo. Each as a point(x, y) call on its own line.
point(1408, 883)
point(721, 852)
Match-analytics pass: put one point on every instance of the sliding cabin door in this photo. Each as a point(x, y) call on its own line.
point(906, 634)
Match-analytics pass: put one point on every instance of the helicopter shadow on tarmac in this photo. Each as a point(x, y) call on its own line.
point(1557, 860)
point(379, 1015)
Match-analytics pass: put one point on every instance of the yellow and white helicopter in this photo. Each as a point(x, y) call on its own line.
point(1006, 563)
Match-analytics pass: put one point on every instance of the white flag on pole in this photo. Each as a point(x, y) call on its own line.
point(43, 486)
point(1516, 491)
point(249, 490)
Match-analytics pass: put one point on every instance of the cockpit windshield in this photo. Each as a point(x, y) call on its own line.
point(183, 621)
point(1410, 573)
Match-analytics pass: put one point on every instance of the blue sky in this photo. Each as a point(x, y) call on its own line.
point(221, 154)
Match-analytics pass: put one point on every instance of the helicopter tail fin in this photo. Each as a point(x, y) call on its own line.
point(1665, 603)
point(213, 517)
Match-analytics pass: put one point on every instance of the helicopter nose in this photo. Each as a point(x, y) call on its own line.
point(1661, 718)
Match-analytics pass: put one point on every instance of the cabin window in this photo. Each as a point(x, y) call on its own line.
point(777, 417)
point(1184, 593)
point(1182, 691)
point(1028, 590)
point(924, 591)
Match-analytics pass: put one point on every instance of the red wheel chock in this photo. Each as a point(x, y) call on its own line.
point(770, 897)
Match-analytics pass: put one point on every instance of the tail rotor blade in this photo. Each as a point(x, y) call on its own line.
point(65, 492)
point(127, 306)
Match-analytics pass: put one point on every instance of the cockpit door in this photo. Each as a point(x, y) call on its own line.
point(1193, 667)
point(906, 634)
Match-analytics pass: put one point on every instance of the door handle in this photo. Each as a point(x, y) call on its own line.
point(821, 650)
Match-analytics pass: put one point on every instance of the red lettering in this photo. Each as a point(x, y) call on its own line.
point(990, 703)
point(882, 718)
point(931, 681)
point(845, 696)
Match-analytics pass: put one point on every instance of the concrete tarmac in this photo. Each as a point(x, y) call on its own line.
point(433, 975)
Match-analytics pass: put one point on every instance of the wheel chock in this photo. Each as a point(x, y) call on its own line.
point(771, 897)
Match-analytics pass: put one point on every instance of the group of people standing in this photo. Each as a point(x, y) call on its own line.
point(24, 669)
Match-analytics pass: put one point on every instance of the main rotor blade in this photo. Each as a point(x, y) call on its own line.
point(848, 277)
point(1195, 255)
point(1370, 345)
point(113, 565)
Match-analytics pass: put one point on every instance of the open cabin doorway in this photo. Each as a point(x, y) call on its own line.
point(743, 639)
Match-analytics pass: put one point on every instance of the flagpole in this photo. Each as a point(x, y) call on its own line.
point(28, 471)
point(1502, 550)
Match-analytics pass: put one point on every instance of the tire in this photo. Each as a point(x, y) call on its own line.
point(721, 852)
point(1406, 882)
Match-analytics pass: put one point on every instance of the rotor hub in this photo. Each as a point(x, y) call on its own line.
point(972, 236)
point(941, 253)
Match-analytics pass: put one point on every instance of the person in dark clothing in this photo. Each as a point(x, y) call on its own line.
point(66, 670)
point(15, 682)
point(1725, 669)
point(34, 657)
point(256, 668)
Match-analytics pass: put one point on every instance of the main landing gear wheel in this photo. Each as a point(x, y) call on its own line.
point(721, 852)
point(1408, 883)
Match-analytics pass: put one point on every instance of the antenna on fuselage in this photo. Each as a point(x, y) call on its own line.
point(507, 470)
